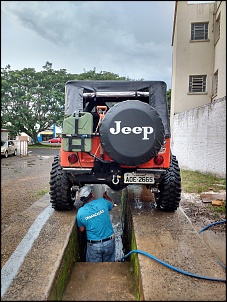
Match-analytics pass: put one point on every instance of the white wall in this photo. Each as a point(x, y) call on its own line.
point(199, 138)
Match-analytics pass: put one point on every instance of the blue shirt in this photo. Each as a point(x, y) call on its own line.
point(95, 217)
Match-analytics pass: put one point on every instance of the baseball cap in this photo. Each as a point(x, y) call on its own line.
point(85, 191)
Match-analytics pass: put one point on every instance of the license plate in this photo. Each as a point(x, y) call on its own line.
point(141, 178)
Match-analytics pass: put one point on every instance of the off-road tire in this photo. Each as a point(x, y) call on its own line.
point(170, 188)
point(60, 188)
point(128, 148)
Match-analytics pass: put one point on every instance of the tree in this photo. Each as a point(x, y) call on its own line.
point(34, 101)
point(102, 75)
point(168, 94)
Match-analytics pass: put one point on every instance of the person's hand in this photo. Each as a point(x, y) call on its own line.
point(106, 196)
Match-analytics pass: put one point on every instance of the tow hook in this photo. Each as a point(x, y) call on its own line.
point(115, 179)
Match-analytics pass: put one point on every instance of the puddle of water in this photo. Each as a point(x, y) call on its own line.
point(43, 156)
point(25, 164)
point(30, 165)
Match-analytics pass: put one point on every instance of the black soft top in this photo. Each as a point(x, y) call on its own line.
point(155, 92)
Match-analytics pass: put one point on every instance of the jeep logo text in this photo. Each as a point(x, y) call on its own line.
point(135, 130)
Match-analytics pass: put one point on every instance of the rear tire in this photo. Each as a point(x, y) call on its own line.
point(60, 188)
point(6, 154)
point(168, 199)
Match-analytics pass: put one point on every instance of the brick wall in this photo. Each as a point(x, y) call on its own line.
point(199, 138)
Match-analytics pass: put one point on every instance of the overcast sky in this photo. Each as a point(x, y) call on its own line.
point(129, 38)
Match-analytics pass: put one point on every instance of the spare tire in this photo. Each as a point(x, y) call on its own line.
point(131, 133)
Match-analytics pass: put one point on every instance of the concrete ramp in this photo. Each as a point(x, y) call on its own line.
point(171, 238)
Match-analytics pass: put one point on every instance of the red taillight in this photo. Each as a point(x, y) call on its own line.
point(72, 158)
point(158, 160)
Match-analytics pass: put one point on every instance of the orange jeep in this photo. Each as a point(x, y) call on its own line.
point(115, 133)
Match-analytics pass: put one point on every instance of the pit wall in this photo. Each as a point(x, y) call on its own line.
point(73, 253)
point(199, 138)
point(76, 252)
point(129, 244)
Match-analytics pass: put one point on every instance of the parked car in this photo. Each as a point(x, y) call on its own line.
point(55, 140)
point(8, 148)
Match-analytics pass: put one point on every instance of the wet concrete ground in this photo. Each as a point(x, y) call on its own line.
point(171, 238)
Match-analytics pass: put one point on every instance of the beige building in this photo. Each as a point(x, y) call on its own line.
point(198, 55)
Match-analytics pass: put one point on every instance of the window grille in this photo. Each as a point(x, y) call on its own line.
point(197, 83)
point(199, 31)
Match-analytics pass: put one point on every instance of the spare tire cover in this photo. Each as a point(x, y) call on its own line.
point(131, 132)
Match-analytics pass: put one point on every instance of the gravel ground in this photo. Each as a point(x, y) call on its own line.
point(24, 180)
point(203, 214)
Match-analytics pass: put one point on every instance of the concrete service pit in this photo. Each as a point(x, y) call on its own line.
point(51, 271)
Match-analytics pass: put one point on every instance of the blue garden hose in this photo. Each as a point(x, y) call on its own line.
point(174, 268)
point(208, 226)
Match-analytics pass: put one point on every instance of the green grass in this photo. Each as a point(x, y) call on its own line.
point(43, 146)
point(197, 182)
point(41, 193)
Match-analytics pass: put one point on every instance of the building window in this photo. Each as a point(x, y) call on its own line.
point(199, 31)
point(217, 28)
point(215, 83)
point(197, 83)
